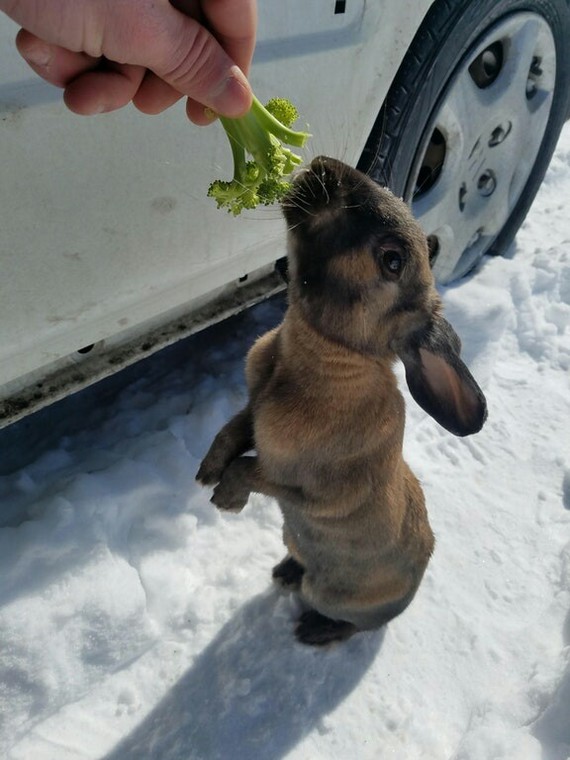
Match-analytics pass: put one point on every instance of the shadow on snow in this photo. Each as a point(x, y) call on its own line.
point(254, 692)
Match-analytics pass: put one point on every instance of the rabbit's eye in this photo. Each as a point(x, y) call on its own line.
point(393, 261)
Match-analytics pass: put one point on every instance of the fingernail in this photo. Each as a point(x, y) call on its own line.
point(39, 55)
point(210, 115)
point(233, 97)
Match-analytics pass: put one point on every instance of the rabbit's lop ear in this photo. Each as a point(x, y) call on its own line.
point(440, 382)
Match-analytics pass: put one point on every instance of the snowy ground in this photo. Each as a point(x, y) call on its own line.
point(136, 622)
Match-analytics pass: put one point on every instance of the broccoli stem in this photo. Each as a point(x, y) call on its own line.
point(273, 125)
point(261, 136)
point(238, 154)
point(253, 131)
point(247, 133)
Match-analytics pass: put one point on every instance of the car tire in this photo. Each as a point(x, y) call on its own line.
point(470, 123)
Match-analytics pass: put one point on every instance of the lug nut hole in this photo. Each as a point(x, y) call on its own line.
point(487, 183)
point(499, 134)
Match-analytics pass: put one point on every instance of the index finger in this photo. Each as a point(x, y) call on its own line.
point(234, 24)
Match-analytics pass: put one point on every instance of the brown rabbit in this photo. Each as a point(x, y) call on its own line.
point(325, 414)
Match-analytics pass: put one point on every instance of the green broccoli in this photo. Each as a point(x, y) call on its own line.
point(259, 134)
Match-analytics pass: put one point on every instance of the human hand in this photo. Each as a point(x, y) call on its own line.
point(107, 53)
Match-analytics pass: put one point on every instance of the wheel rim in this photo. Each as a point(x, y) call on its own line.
point(482, 142)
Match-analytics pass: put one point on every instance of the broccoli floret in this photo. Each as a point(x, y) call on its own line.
point(259, 134)
point(283, 110)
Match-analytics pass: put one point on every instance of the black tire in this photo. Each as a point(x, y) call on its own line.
point(449, 34)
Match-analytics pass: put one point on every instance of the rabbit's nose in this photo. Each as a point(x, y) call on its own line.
point(326, 167)
point(319, 163)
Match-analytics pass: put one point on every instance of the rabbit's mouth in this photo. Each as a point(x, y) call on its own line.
point(318, 187)
point(329, 193)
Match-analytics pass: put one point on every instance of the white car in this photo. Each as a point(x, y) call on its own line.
point(110, 248)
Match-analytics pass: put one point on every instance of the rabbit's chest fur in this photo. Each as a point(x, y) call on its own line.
point(332, 434)
point(326, 423)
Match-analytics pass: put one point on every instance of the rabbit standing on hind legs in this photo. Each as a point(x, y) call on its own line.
point(325, 415)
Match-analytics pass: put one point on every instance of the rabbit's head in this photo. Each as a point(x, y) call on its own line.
point(359, 272)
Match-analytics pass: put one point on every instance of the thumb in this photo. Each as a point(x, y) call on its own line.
point(186, 56)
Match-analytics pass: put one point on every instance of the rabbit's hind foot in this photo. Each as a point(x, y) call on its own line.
point(317, 630)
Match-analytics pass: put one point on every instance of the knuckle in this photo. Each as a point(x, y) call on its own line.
point(191, 64)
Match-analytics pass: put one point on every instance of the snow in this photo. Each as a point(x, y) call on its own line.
point(137, 622)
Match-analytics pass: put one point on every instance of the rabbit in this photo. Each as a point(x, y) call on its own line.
point(325, 416)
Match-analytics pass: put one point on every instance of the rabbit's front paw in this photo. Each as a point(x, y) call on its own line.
point(288, 574)
point(232, 492)
point(211, 469)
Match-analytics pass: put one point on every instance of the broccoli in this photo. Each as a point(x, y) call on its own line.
point(259, 134)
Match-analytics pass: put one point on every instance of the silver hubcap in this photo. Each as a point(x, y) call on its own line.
point(484, 141)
